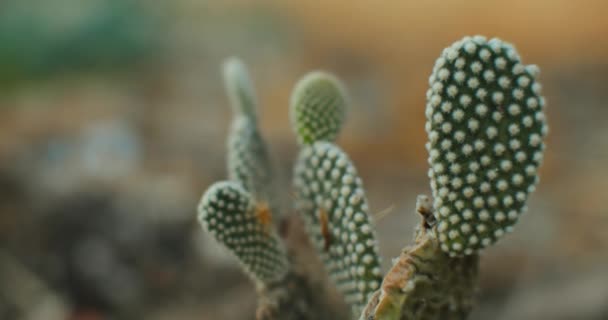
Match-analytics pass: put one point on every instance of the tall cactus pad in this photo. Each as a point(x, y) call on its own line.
point(331, 199)
point(239, 88)
point(229, 213)
point(249, 160)
point(486, 126)
point(318, 108)
point(248, 157)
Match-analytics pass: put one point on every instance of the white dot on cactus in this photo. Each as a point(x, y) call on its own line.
point(481, 93)
point(486, 242)
point(484, 54)
point(498, 97)
point(536, 88)
point(535, 140)
point(468, 192)
point(499, 149)
point(452, 90)
point(473, 83)
point(489, 75)
point(451, 54)
point(445, 247)
point(499, 233)
point(446, 106)
point(459, 76)
point(443, 192)
point(484, 187)
point(523, 81)
point(507, 201)
point(492, 174)
point(446, 127)
point(452, 196)
point(506, 165)
point(538, 156)
point(496, 116)
point(458, 115)
point(512, 215)
point(454, 219)
point(481, 109)
point(457, 246)
point(467, 214)
point(514, 109)
point(544, 130)
point(513, 129)
point(514, 144)
point(485, 160)
point(446, 144)
point(471, 178)
point(520, 196)
point(437, 87)
point(467, 149)
point(478, 202)
point(473, 239)
point(438, 118)
point(459, 204)
point(341, 162)
point(491, 132)
point(518, 94)
point(435, 100)
point(459, 63)
point(453, 234)
point(540, 116)
point(500, 63)
point(443, 179)
point(450, 156)
point(473, 125)
point(459, 136)
point(465, 100)
point(470, 47)
point(345, 190)
point(443, 74)
point(474, 166)
point(492, 201)
point(456, 183)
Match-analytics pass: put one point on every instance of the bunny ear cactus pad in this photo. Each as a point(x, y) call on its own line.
point(229, 213)
point(248, 158)
point(331, 199)
point(486, 127)
point(318, 107)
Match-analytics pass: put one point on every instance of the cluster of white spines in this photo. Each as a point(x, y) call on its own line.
point(331, 199)
point(486, 127)
point(230, 215)
point(318, 107)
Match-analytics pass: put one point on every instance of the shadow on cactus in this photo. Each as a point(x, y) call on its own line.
point(486, 127)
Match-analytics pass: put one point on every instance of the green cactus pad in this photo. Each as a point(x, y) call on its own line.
point(244, 227)
point(331, 199)
point(248, 159)
point(318, 107)
point(486, 127)
point(239, 88)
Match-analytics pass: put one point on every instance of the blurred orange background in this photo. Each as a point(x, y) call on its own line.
point(113, 122)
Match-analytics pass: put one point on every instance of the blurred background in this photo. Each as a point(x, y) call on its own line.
point(113, 122)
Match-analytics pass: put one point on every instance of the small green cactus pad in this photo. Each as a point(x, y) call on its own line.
point(318, 107)
point(239, 88)
point(244, 227)
point(248, 159)
point(486, 126)
point(331, 199)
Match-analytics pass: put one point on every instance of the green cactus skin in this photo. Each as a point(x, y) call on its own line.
point(248, 158)
point(234, 219)
point(239, 88)
point(486, 127)
point(331, 199)
point(318, 107)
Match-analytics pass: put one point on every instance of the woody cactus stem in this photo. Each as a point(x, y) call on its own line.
point(424, 283)
point(330, 194)
point(486, 126)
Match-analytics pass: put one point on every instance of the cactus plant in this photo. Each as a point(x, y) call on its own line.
point(486, 123)
point(486, 127)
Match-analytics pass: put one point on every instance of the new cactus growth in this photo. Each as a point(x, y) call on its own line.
point(486, 127)
point(486, 124)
